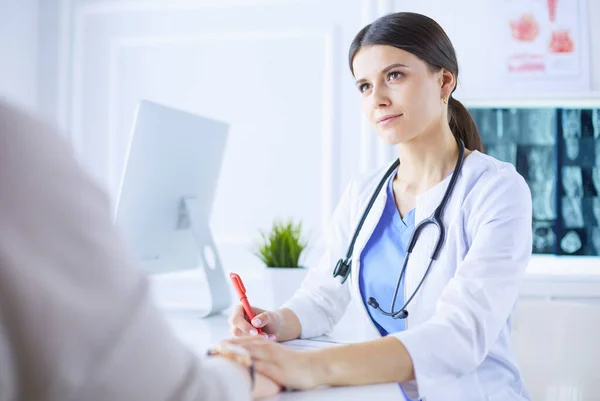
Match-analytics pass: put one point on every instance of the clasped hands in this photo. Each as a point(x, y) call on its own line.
point(276, 367)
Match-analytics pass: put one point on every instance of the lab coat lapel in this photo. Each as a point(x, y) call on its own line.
point(419, 259)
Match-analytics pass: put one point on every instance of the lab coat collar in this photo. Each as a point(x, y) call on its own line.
point(424, 208)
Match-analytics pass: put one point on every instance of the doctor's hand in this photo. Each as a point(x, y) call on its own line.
point(294, 369)
point(268, 321)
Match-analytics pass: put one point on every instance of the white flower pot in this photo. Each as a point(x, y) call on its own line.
point(282, 282)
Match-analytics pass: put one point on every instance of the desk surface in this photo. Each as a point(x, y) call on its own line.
point(199, 334)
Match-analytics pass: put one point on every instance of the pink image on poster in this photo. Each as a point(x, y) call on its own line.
point(542, 38)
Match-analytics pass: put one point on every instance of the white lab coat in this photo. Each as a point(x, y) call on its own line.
point(76, 320)
point(458, 328)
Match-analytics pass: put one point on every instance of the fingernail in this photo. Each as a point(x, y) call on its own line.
point(272, 337)
point(256, 322)
point(253, 332)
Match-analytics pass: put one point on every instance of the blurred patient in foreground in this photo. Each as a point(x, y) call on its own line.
point(76, 318)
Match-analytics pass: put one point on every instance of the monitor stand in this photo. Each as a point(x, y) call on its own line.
point(190, 218)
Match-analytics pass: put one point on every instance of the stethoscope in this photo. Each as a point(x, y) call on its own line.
point(342, 268)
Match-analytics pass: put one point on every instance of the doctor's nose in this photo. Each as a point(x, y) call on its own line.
point(379, 97)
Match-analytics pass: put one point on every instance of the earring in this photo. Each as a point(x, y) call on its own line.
point(445, 99)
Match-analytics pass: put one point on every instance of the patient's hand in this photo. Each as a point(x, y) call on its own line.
point(289, 368)
point(264, 387)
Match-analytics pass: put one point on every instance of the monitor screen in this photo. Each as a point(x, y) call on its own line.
point(173, 156)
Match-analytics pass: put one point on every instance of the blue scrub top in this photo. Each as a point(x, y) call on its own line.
point(381, 263)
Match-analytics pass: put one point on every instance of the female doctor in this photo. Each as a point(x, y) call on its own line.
point(433, 247)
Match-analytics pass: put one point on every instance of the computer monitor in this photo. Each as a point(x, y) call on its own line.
point(166, 192)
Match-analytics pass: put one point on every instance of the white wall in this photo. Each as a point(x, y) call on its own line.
point(53, 25)
point(594, 15)
point(19, 51)
point(474, 26)
point(282, 81)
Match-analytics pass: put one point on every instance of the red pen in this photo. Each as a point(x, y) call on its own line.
point(241, 290)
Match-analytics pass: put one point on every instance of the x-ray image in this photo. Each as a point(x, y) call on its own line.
point(577, 133)
point(572, 212)
point(596, 179)
point(544, 237)
point(596, 124)
point(578, 152)
point(586, 154)
point(571, 123)
point(591, 211)
point(587, 176)
point(572, 242)
point(571, 134)
point(536, 164)
point(487, 124)
point(587, 125)
point(475, 115)
point(507, 152)
point(595, 241)
point(596, 209)
point(572, 182)
point(557, 151)
point(571, 148)
point(538, 127)
point(543, 200)
point(511, 124)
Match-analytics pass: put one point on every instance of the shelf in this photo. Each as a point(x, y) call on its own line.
point(581, 100)
point(564, 268)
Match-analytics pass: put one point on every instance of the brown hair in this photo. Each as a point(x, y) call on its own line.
point(425, 38)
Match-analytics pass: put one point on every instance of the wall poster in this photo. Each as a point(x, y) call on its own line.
point(543, 39)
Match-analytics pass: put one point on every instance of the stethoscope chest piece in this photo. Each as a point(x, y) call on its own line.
point(342, 268)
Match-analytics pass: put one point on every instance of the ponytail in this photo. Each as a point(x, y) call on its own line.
point(463, 126)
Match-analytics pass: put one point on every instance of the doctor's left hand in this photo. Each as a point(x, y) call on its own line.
point(289, 368)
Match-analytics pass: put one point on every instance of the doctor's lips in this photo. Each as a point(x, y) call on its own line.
point(388, 119)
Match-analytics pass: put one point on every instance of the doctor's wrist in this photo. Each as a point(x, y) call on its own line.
point(321, 367)
point(289, 325)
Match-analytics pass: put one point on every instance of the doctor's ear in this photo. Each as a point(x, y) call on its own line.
point(447, 81)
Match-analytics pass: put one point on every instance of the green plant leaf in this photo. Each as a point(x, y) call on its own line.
point(282, 246)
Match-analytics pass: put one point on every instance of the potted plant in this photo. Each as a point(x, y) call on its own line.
point(281, 249)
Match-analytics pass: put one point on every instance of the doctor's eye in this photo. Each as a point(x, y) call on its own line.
point(392, 75)
point(363, 87)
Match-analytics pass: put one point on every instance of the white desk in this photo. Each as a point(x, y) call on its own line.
point(199, 334)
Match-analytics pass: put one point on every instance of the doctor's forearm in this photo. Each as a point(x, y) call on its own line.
point(385, 360)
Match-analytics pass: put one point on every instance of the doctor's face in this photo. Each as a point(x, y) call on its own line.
point(401, 95)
